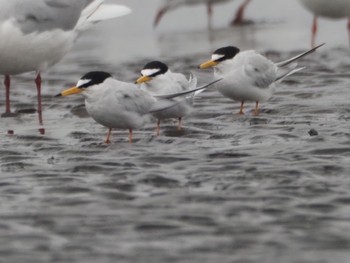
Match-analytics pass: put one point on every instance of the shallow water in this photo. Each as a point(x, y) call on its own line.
point(227, 188)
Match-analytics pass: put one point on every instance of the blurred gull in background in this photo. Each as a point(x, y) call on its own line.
point(335, 9)
point(168, 5)
point(36, 34)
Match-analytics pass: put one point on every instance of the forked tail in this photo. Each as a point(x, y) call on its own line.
point(288, 61)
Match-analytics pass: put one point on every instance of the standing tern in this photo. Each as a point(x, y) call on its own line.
point(158, 79)
point(121, 105)
point(334, 9)
point(168, 5)
point(247, 75)
point(36, 34)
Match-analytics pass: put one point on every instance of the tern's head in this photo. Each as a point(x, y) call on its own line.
point(87, 81)
point(219, 56)
point(152, 70)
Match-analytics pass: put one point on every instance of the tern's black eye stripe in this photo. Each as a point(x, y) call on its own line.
point(228, 53)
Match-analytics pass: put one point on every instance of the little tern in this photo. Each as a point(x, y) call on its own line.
point(248, 75)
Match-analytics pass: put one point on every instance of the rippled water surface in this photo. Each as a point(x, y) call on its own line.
point(227, 188)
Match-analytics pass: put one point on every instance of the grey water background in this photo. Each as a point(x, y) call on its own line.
point(227, 188)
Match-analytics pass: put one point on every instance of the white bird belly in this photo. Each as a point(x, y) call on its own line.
point(111, 115)
point(179, 110)
point(21, 53)
point(243, 91)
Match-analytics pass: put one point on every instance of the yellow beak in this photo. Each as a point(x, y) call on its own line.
point(208, 64)
point(70, 91)
point(143, 79)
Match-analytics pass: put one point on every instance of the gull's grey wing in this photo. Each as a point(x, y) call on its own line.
point(42, 15)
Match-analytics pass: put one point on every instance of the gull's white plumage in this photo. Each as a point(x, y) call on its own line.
point(334, 9)
point(36, 34)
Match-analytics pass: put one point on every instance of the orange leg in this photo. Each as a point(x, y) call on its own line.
point(7, 84)
point(130, 135)
point(179, 125)
point(158, 127)
point(241, 108)
point(349, 29)
point(238, 20)
point(210, 15)
point(40, 111)
point(108, 135)
point(256, 112)
point(314, 32)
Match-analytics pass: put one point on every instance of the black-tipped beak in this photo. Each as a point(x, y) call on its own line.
point(70, 91)
point(58, 95)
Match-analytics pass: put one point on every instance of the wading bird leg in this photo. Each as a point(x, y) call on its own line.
point(7, 83)
point(210, 15)
point(349, 29)
point(241, 108)
point(256, 112)
point(239, 20)
point(130, 135)
point(179, 126)
point(314, 32)
point(40, 112)
point(158, 127)
point(107, 141)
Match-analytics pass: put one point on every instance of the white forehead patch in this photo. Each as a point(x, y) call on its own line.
point(149, 72)
point(82, 82)
point(215, 57)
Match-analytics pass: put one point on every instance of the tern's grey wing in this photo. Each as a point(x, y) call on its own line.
point(42, 15)
point(261, 71)
point(179, 94)
point(133, 99)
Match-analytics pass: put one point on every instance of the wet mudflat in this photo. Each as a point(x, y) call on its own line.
point(227, 188)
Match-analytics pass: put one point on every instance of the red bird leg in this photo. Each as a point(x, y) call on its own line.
point(40, 112)
point(241, 108)
point(314, 32)
point(158, 127)
point(179, 125)
point(107, 141)
point(130, 135)
point(349, 29)
point(7, 83)
point(238, 20)
point(210, 15)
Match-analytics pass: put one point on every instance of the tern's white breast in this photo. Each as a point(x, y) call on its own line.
point(21, 53)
